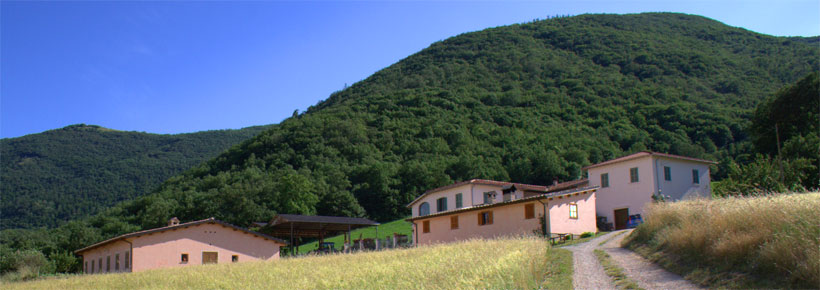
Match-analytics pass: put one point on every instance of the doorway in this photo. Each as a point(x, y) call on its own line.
point(621, 218)
point(210, 257)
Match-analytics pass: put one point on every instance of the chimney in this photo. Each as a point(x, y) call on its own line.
point(173, 221)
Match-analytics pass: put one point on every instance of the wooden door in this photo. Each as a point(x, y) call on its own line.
point(210, 257)
point(621, 218)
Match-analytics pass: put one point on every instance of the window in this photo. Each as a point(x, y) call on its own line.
point(183, 258)
point(235, 258)
point(485, 218)
point(488, 197)
point(667, 173)
point(695, 176)
point(108, 263)
point(454, 222)
point(99, 265)
point(85, 268)
point(459, 200)
point(529, 211)
point(573, 211)
point(441, 204)
point(424, 209)
point(127, 260)
point(425, 227)
point(117, 262)
point(633, 175)
point(92, 266)
point(605, 180)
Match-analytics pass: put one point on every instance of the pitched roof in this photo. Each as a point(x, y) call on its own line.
point(521, 186)
point(647, 153)
point(284, 218)
point(287, 225)
point(184, 225)
point(550, 195)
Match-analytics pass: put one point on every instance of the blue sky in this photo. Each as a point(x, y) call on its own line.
point(175, 67)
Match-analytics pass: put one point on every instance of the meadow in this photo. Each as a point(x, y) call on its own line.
point(509, 263)
point(738, 242)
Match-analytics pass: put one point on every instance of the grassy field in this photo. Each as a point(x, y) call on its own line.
point(514, 263)
point(401, 227)
point(754, 242)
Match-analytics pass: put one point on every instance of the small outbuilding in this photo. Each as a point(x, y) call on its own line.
point(207, 241)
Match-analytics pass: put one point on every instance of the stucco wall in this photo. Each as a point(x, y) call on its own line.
point(560, 222)
point(472, 195)
point(164, 249)
point(509, 220)
point(634, 196)
point(622, 193)
point(681, 185)
point(110, 250)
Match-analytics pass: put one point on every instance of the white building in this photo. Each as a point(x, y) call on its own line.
point(628, 183)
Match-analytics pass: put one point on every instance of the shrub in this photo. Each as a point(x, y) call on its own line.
point(586, 235)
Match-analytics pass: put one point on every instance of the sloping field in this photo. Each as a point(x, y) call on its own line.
point(514, 263)
point(746, 242)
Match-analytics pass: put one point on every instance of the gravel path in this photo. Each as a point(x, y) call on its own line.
point(588, 273)
point(645, 273)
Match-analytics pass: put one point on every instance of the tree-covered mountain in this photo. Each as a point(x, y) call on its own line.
point(63, 174)
point(529, 103)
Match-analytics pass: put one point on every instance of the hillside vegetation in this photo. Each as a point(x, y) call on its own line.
point(528, 103)
point(517, 263)
point(746, 242)
point(59, 175)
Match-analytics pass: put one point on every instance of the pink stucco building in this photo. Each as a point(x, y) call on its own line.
point(485, 209)
point(178, 245)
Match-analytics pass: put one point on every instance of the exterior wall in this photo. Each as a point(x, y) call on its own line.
point(451, 198)
point(472, 195)
point(681, 185)
point(560, 222)
point(110, 250)
point(621, 193)
point(634, 196)
point(509, 220)
point(164, 249)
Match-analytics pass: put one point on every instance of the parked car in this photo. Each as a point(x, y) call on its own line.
point(634, 221)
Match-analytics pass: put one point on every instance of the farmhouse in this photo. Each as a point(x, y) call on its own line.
point(613, 191)
point(178, 245)
point(627, 183)
point(488, 208)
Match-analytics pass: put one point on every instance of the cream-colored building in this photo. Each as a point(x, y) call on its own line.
point(627, 184)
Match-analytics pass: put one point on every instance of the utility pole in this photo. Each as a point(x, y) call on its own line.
point(779, 159)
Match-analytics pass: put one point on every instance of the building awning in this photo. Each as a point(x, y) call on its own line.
point(307, 226)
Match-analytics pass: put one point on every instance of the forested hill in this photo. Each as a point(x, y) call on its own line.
point(67, 173)
point(528, 103)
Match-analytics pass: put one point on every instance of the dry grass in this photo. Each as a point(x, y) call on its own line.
point(514, 263)
point(769, 241)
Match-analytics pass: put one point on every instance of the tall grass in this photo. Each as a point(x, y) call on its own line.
point(513, 263)
point(768, 241)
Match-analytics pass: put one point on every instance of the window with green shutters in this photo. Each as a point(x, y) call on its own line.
point(667, 173)
point(459, 201)
point(605, 180)
point(695, 176)
point(633, 175)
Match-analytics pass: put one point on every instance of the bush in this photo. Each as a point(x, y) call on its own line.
point(25, 264)
point(586, 235)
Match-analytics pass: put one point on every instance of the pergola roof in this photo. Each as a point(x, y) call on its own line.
point(307, 226)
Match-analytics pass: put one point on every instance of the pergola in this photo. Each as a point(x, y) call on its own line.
point(293, 226)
